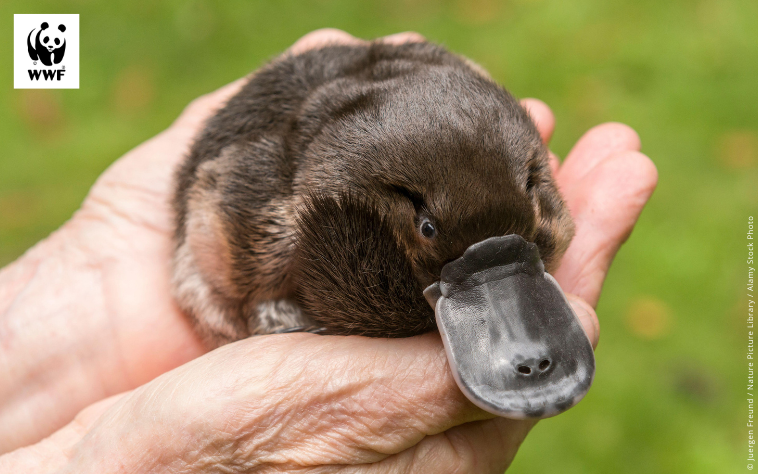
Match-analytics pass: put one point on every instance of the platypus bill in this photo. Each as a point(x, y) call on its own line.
point(385, 190)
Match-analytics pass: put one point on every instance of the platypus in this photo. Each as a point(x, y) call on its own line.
point(384, 190)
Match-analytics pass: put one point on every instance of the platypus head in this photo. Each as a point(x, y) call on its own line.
point(439, 180)
point(412, 173)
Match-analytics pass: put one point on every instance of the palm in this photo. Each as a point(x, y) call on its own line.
point(93, 301)
point(126, 223)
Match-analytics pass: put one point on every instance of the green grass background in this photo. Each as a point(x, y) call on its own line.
point(670, 390)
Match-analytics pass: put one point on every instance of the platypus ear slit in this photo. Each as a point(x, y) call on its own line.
point(414, 197)
point(344, 246)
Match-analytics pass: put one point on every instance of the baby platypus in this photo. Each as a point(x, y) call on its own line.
point(336, 186)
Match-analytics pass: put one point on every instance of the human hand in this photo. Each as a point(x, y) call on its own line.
point(88, 311)
point(397, 408)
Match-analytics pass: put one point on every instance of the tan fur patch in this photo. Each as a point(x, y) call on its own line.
point(202, 304)
point(207, 241)
point(209, 281)
point(202, 264)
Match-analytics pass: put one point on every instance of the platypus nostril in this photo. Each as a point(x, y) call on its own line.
point(532, 367)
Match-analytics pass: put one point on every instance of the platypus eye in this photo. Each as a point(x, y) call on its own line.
point(427, 229)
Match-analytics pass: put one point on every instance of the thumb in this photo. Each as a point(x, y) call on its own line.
point(587, 317)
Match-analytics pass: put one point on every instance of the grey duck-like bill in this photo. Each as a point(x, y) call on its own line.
point(514, 344)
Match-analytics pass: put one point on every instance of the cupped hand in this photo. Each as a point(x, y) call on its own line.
point(285, 402)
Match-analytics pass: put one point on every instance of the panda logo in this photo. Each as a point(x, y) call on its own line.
point(47, 44)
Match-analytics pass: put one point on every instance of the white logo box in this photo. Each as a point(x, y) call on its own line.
point(46, 54)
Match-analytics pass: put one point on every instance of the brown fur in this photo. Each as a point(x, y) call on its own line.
point(311, 186)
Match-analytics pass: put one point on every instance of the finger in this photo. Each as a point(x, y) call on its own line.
point(605, 205)
point(408, 382)
point(70, 434)
point(542, 116)
point(323, 37)
point(594, 147)
point(481, 446)
point(293, 400)
point(402, 38)
point(54, 452)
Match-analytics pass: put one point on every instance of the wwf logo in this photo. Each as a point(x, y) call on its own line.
point(45, 51)
point(46, 44)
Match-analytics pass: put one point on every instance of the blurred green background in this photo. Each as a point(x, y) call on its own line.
point(670, 390)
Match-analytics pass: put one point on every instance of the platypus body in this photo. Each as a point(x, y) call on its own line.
point(333, 189)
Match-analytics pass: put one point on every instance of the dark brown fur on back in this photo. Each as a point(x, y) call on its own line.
point(313, 183)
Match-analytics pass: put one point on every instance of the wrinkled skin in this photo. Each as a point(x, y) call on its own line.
point(87, 312)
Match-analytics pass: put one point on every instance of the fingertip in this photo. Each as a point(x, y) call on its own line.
point(615, 135)
point(596, 146)
point(402, 38)
point(645, 169)
point(323, 37)
point(637, 171)
point(542, 117)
